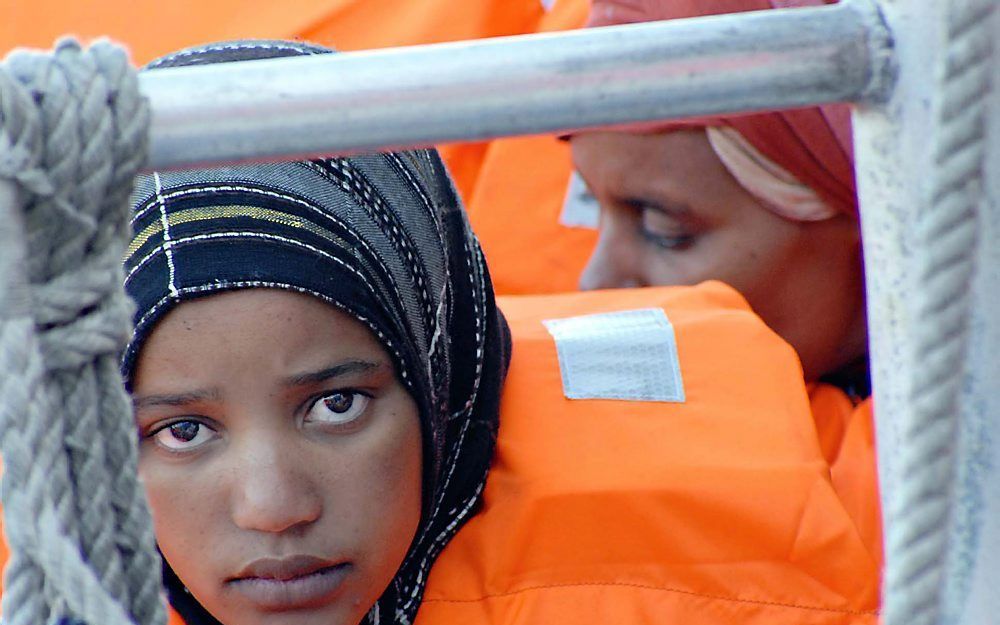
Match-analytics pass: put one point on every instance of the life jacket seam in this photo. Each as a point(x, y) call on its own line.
point(660, 588)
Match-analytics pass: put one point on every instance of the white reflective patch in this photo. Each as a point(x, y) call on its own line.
point(630, 355)
point(580, 208)
point(547, 4)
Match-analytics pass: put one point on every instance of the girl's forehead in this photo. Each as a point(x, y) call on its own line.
point(266, 316)
point(262, 336)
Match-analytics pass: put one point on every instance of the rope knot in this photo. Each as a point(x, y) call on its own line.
point(81, 314)
point(72, 137)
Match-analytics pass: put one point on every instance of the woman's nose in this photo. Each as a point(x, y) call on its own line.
point(273, 491)
point(611, 266)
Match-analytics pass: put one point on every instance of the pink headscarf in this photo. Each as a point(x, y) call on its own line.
point(812, 144)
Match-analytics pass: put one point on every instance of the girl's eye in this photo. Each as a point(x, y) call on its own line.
point(183, 435)
point(337, 408)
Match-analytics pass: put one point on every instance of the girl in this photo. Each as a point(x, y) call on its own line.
point(316, 369)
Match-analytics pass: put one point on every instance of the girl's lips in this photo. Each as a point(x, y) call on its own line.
point(290, 584)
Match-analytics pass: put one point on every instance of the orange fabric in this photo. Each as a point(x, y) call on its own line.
point(855, 477)
point(717, 510)
point(847, 437)
point(354, 24)
point(518, 196)
point(174, 618)
point(515, 213)
point(151, 28)
point(832, 410)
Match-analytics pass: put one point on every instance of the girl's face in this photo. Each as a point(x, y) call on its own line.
point(281, 456)
point(672, 214)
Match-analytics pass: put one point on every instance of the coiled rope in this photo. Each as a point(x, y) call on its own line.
point(946, 235)
point(73, 133)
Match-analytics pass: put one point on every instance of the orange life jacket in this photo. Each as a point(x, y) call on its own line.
point(524, 180)
point(847, 436)
point(718, 509)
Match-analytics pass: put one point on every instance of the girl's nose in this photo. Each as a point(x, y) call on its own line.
point(273, 492)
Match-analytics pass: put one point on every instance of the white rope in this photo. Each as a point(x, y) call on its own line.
point(947, 239)
point(72, 137)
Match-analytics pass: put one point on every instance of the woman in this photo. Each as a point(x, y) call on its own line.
point(765, 203)
point(316, 369)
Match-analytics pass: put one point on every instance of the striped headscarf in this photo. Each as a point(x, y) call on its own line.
point(382, 237)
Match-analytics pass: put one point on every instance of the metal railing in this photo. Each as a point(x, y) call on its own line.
point(424, 95)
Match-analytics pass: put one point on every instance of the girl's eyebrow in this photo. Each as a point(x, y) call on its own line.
point(176, 399)
point(333, 371)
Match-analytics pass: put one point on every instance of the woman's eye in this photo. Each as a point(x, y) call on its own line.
point(663, 230)
point(183, 435)
point(337, 408)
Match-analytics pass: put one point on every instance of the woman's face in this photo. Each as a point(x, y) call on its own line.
point(672, 214)
point(281, 456)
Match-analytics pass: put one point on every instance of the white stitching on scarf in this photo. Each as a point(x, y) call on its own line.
point(436, 320)
point(358, 184)
point(179, 193)
point(167, 243)
point(478, 288)
point(403, 169)
point(259, 235)
point(231, 47)
point(437, 544)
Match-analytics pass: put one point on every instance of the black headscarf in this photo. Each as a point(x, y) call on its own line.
point(382, 237)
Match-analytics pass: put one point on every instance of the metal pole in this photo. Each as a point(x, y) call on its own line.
point(406, 97)
point(896, 170)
